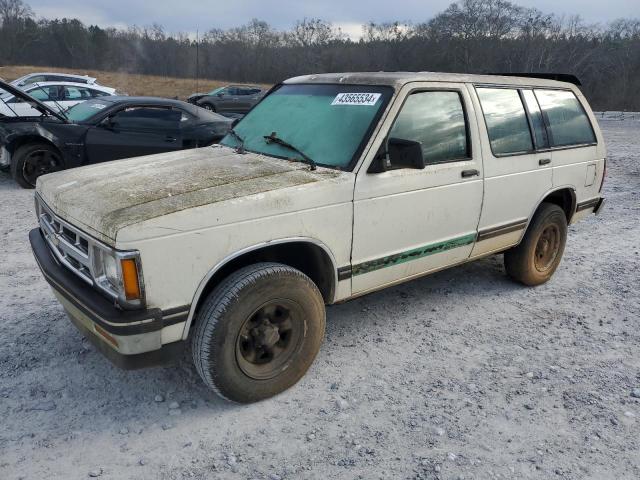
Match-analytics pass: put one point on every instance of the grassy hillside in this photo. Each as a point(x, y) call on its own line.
point(133, 84)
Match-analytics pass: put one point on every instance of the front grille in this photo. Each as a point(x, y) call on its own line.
point(70, 246)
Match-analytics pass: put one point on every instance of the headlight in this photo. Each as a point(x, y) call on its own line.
point(118, 274)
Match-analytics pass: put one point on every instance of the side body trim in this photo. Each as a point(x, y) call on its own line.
point(492, 232)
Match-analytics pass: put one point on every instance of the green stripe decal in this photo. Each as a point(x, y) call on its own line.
point(415, 254)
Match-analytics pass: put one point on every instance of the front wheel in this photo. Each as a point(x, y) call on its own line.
point(534, 261)
point(208, 106)
point(258, 332)
point(33, 160)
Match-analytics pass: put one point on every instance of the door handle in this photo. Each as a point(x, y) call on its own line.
point(170, 139)
point(544, 161)
point(470, 173)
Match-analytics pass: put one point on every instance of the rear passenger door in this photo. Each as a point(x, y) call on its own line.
point(407, 221)
point(517, 164)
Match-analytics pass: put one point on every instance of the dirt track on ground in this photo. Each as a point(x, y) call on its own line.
point(461, 375)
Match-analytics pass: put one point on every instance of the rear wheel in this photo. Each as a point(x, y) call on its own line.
point(258, 332)
point(33, 160)
point(534, 261)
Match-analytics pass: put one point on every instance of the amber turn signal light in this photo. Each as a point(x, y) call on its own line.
point(130, 279)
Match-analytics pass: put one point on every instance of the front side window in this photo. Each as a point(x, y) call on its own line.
point(506, 121)
point(568, 122)
point(329, 123)
point(44, 94)
point(135, 118)
point(436, 120)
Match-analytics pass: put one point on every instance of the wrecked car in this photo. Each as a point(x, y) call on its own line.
point(99, 130)
point(232, 99)
point(332, 187)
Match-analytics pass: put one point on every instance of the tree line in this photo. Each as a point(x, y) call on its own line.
point(474, 36)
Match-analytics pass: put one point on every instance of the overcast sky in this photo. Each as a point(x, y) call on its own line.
point(191, 15)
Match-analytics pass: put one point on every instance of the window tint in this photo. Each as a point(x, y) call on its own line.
point(148, 118)
point(435, 120)
point(537, 122)
point(568, 122)
point(506, 120)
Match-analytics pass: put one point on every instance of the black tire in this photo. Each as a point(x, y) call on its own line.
point(33, 160)
point(534, 261)
point(208, 106)
point(258, 332)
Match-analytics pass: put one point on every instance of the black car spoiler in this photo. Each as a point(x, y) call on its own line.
point(560, 77)
point(35, 103)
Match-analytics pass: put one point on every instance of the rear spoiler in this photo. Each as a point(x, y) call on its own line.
point(560, 77)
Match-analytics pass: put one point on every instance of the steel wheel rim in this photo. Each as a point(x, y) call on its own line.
point(37, 163)
point(270, 338)
point(547, 248)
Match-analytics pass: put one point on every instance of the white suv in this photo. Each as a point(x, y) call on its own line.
point(332, 187)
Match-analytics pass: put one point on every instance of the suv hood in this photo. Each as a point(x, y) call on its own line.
point(37, 104)
point(102, 199)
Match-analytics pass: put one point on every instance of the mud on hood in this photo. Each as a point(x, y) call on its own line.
point(102, 199)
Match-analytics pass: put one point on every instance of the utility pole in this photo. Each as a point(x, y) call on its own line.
point(197, 59)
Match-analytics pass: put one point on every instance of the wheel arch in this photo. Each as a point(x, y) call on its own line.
point(308, 255)
point(563, 196)
point(22, 140)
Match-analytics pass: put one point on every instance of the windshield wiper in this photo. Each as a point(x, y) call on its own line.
point(239, 139)
point(273, 138)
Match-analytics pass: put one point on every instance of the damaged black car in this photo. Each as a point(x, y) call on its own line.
point(99, 130)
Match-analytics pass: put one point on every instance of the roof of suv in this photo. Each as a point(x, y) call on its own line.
point(398, 79)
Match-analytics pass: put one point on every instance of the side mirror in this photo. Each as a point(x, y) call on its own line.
point(108, 123)
point(399, 153)
point(405, 154)
point(220, 95)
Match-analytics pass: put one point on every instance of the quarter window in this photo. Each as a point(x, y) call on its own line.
point(506, 121)
point(436, 120)
point(568, 122)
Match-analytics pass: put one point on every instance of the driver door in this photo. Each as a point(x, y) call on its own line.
point(133, 132)
point(409, 221)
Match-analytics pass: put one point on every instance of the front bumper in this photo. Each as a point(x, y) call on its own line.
point(129, 338)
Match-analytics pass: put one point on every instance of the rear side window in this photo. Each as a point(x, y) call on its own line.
point(437, 121)
point(506, 121)
point(568, 122)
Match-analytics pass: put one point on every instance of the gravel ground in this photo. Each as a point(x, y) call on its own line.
point(461, 375)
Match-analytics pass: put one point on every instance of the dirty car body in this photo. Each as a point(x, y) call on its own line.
point(333, 186)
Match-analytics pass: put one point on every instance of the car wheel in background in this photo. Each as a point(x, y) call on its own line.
point(33, 160)
point(208, 106)
point(534, 261)
point(258, 332)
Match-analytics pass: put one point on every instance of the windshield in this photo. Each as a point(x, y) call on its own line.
point(329, 123)
point(85, 110)
point(216, 90)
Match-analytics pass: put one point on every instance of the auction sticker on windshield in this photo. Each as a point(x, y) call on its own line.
point(356, 99)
